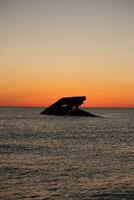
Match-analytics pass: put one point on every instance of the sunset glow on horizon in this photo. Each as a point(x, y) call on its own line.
point(51, 49)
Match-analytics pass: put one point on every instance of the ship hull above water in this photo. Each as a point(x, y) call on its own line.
point(68, 106)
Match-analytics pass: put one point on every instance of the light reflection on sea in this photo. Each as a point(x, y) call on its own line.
point(71, 158)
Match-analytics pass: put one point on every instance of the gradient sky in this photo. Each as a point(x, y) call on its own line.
point(55, 48)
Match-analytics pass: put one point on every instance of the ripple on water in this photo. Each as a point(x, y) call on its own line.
point(48, 157)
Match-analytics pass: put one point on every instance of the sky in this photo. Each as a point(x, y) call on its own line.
point(56, 48)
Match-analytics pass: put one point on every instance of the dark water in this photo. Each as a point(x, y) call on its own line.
point(66, 158)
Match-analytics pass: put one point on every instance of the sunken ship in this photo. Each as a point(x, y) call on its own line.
point(68, 106)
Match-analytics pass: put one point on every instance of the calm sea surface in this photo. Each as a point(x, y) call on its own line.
point(66, 158)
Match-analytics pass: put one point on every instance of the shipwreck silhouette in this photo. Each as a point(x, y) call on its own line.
point(68, 106)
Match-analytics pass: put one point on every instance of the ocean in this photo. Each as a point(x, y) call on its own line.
point(66, 158)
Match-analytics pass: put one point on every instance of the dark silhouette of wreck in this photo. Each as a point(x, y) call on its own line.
point(68, 106)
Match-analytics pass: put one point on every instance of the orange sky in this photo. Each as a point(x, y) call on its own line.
point(51, 49)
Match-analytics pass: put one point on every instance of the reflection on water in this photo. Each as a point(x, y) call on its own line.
point(49, 157)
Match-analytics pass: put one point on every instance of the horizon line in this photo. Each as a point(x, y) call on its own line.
point(6, 106)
